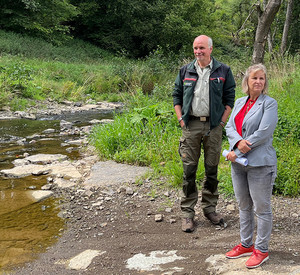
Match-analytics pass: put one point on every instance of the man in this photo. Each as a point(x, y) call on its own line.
point(203, 97)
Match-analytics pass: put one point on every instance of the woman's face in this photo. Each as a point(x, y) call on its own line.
point(256, 83)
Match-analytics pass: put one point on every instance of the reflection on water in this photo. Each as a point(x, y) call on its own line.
point(28, 227)
point(28, 230)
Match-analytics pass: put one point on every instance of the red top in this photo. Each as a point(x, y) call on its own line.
point(239, 118)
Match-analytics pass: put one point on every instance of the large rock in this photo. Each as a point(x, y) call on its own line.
point(110, 173)
point(39, 195)
point(24, 171)
point(84, 259)
point(57, 168)
point(64, 169)
point(45, 158)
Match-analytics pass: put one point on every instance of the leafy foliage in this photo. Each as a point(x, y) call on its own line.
point(139, 136)
point(135, 28)
point(44, 18)
point(139, 27)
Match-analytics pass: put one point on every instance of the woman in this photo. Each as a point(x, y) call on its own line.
point(250, 134)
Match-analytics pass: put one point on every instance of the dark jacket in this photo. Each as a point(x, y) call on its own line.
point(221, 90)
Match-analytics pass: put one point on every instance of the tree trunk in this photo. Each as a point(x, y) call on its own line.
point(265, 20)
point(270, 42)
point(287, 23)
point(269, 38)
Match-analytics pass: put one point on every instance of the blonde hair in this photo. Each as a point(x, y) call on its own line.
point(254, 68)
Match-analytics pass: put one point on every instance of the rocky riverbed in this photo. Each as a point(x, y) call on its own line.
point(49, 108)
point(121, 221)
point(118, 225)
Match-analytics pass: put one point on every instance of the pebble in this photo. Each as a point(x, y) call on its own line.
point(167, 194)
point(129, 191)
point(104, 224)
point(230, 207)
point(158, 217)
point(47, 186)
point(49, 131)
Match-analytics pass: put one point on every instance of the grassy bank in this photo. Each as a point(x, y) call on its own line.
point(32, 69)
point(147, 133)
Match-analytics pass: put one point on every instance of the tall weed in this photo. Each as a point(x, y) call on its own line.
point(288, 167)
point(151, 137)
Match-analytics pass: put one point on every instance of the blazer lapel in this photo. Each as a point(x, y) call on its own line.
point(255, 107)
point(239, 105)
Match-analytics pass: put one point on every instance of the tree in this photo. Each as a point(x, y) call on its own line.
point(265, 19)
point(131, 26)
point(44, 18)
point(137, 27)
point(288, 20)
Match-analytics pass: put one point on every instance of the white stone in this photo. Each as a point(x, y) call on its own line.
point(40, 194)
point(75, 142)
point(49, 131)
point(95, 121)
point(106, 121)
point(84, 259)
point(158, 217)
point(118, 173)
point(20, 162)
point(62, 183)
point(141, 262)
point(62, 169)
point(23, 171)
point(46, 158)
point(230, 207)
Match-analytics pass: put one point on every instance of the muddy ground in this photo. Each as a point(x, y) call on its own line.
point(118, 220)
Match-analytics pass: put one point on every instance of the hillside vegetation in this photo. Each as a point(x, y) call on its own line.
point(147, 133)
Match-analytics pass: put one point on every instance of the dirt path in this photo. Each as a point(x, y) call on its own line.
point(116, 223)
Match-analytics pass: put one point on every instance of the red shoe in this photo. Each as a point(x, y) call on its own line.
point(257, 258)
point(240, 251)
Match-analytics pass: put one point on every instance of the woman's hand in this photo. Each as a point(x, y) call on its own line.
point(243, 146)
point(231, 156)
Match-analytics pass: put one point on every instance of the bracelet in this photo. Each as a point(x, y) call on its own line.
point(222, 123)
point(180, 119)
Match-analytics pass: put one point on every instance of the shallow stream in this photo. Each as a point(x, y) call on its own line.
point(28, 227)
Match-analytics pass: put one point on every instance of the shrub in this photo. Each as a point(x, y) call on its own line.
point(288, 167)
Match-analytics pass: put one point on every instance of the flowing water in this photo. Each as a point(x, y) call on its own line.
point(28, 227)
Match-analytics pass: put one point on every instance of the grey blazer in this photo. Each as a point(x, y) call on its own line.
point(258, 128)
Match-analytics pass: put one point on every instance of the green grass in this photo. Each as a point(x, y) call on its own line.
point(148, 134)
point(32, 69)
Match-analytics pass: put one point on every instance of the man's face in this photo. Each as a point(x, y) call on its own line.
point(201, 50)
